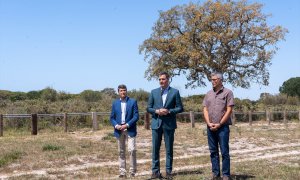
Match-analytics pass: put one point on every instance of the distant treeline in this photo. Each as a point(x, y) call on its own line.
point(49, 100)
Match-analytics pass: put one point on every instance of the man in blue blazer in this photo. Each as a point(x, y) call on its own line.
point(124, 115)
point(164, 103)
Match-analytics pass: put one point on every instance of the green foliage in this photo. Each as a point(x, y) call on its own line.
point(63, 96)
point(51, 147)
point(139, 95)
point(49, 94)
point(9, 157)
point(90, 95)
point(193, 103)
point(291, 87)
point(110, 92)
point(34, 94)
point(18, 96)
point(279, 100)
point(5, 94)
point(244, 105)
point(232, 37)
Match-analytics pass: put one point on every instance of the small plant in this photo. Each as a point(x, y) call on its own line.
point(86, 145)
point(9, 157)
point(110, 137)
point(51, 147)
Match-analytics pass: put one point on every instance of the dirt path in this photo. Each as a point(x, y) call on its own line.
point(238, 155)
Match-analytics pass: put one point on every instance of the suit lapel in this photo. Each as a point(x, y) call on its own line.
point(159, 98)
point(127, 107)
point(119, 110)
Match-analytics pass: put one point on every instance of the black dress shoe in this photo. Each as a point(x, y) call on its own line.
point(156, 176)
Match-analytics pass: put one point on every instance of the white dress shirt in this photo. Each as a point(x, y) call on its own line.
point(123, 109)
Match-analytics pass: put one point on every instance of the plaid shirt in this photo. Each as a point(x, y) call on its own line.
point(217, 103)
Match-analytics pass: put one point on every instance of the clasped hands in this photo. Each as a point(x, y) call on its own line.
point(162, 111)
point(121, 127)
point(214, 126)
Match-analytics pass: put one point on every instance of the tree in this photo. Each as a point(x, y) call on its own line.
point(291, 87)
point(231, 37)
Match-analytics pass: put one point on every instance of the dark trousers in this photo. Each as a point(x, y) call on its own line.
point(216, 138)
point(156, 142)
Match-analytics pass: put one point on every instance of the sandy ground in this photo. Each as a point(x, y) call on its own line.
point(242, 150)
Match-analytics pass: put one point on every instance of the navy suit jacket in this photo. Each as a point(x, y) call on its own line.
point(131, 117)
point(173, 104)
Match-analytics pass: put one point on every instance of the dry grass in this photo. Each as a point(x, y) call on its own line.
point(257, 152)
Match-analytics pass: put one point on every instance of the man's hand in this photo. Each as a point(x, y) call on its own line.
point(162, 111)
point(213, 126)
point(118, 127)
point(123, 127)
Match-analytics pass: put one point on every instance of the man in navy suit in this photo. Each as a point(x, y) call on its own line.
point(124, 115)
point(164, 103)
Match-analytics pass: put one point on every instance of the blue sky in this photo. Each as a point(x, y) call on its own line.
point(74, 45)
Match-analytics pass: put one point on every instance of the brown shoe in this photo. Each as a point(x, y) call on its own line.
point(225, 178)
point(156, 176)
point(215, 177)
point(169, 176)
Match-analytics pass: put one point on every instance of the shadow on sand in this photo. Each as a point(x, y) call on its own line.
point(241, 176)
point(181, 174)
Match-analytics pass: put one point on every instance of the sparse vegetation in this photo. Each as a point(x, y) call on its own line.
point(9, 157)
point(259, 152)
point(51, 147)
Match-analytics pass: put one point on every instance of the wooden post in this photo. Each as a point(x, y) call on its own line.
point(268, 117)
point(192, 118)
point(147, 121)
point(284, 117)
point(95, 122)
point(34, 124)
point(233, 118)
point(250, 117)
point(1, 125)
point(66, 122)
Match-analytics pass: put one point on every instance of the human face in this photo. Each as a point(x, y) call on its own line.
point(216, 82)
point(122, 93)
point(163, 81)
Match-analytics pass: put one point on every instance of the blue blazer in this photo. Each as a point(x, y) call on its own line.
point(173, 104)
point(131, 117)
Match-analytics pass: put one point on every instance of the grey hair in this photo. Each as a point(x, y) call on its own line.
point(218, 74)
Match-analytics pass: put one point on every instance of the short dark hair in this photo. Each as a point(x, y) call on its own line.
point(164, 73)
point(122, 86)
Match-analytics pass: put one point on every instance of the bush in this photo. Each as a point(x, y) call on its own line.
point(51, 147)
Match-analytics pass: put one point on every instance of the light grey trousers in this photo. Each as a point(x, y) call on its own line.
point(122, 153)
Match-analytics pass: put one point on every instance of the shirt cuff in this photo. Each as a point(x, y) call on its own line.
point(116, 126)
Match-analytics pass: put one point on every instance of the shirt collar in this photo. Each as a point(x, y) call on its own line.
point(220, 90)
point(125, 100)
point(165, 89)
